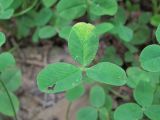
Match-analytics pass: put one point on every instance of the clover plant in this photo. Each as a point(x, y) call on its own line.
point(145, 84)
point(10, 81)
point(128, 23)
point(83, 44)
point(36, 17)
point(147, 102)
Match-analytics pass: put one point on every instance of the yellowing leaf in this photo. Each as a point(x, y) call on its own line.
point(83, 43)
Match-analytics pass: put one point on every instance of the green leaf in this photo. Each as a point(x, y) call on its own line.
point(64, 32)
point(158, 34)
point(108, 73)
point(103, 114)
point(156, 99)
point(7, 14)
point(83, 43)
point(75, 8)
point(150, 57)
point(87, 113)
point(154, 79)
point(11, 77)
point(103, 28)
point(135, 75)
point(120, 17)
point(92, 16)
point(144, 18)
point(143, 93)
point(75, 93)
point(2, 39)
point(35, 36)
point(132, 49)
point(141, 35)
point(110, 55)
point(155, 20)
point(108, 103)
point(129, 57)
point(43, 16)
point(4, 4)
point(61, 23)
point(48, 3)
point(6, 60)
point(153, 112)
point(58, 77)
point(5, 104)
point(103, 7)
point(125, 33)
point(47, 32)
point(129, 111)
point(16, 4)
point(97, 96)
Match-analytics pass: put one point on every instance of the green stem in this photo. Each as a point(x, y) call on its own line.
point(25, 10)
point(68, 110)
point(10, 99)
